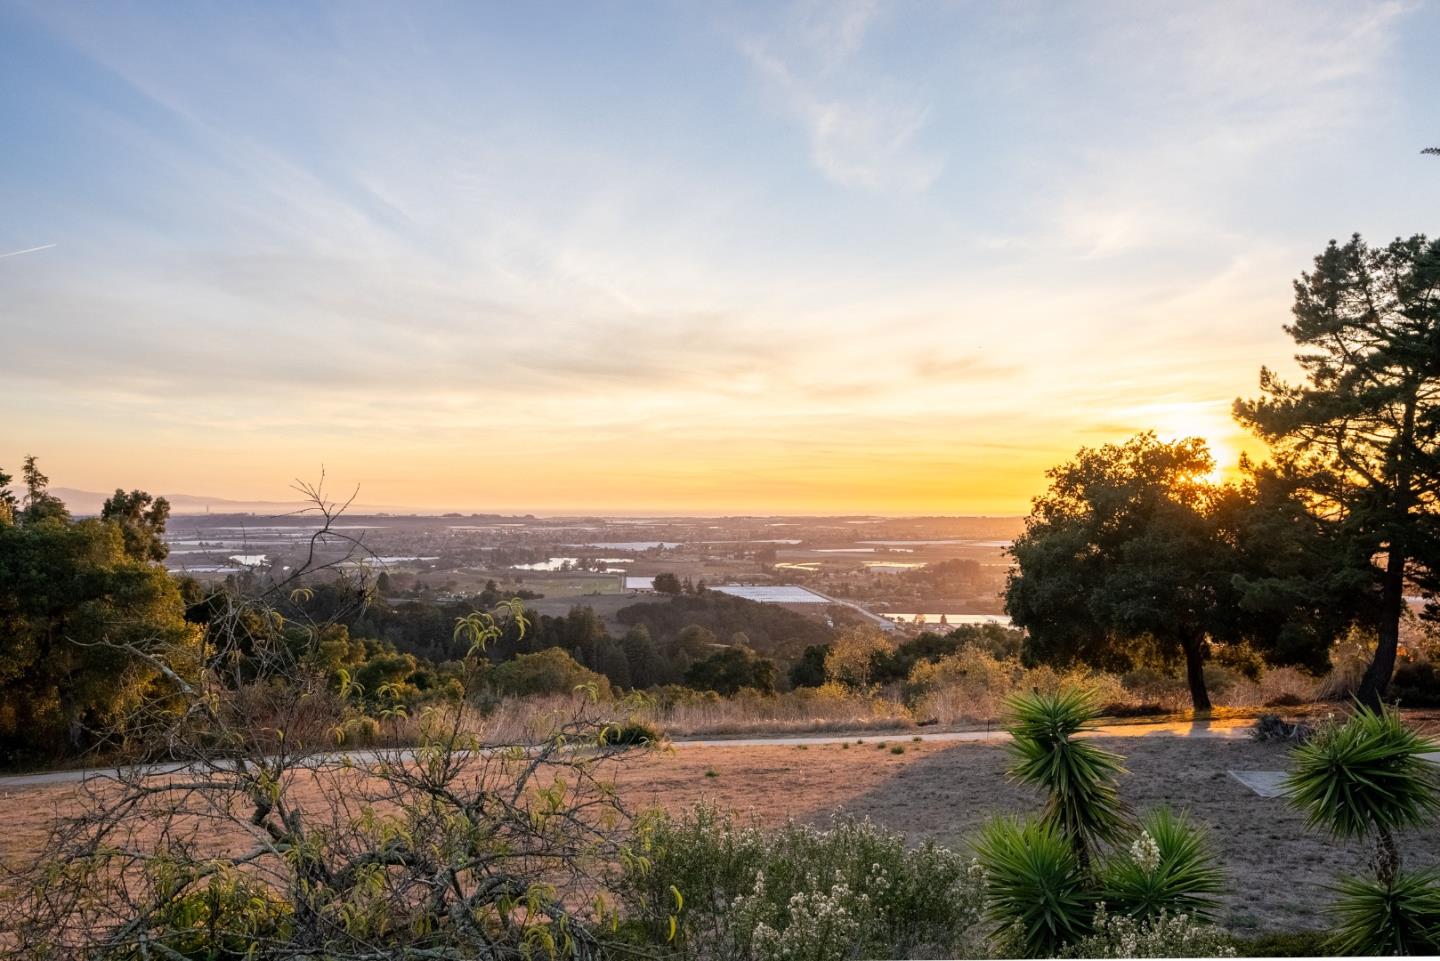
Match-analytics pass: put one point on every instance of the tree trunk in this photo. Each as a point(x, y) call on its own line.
point(1392, 596)
point(1387, 857)
point(1392, 604)
point(1195, 673)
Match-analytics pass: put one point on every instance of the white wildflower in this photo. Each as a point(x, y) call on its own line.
point(1145, 852)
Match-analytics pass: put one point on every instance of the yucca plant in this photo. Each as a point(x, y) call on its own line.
point(1398, 918)
point(1168, 869)
point(1365, 777)
point(1362, 778)
point(1038, 893)
point(1084, 803)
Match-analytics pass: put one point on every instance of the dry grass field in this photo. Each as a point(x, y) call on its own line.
point(1277, 869)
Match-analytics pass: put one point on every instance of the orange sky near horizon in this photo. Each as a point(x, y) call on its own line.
point(648, 473)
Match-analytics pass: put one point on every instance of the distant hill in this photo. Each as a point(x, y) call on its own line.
point(90, 502)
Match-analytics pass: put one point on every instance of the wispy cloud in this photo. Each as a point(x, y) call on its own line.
point(1205, 102)
point(869, 140)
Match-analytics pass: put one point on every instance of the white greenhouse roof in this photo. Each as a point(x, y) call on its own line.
point(773, 595)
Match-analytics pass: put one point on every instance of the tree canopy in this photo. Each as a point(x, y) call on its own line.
point(1134, 552)
point(74, 599)
point(1360, 434)
point(1120, 548)
point(731, 669)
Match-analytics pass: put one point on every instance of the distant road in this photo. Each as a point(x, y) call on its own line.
point(884, 623)
point(1205, 729)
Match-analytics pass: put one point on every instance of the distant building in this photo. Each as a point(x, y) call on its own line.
point(639, 583)
point(786, 594)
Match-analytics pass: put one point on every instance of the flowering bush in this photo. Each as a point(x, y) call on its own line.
point(814, 925)
point(737, 892)
point(1163, 936)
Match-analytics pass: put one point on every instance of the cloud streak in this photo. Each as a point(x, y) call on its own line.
point(27, 250)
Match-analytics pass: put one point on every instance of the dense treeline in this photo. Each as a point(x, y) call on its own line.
point(773, 631)
point(664, 642)
point(66, 585)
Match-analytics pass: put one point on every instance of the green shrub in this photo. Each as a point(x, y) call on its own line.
point(632, 732)
point(849, 890)
point(1416, 684)
point(727, 671)
point(362, 731)
point(1401, 917)
point(1043, 885)
point(1361, 779)
point(1243, 659)
point(1219, 679)
point(1287, 699)
point(1365, 777)
point(551, 671)
point(223, 919)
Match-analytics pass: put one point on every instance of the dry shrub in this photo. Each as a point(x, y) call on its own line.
point(1152, 685)
point(830, 707)
point(1276, 686)
point(1349, 659)
point(973, 685)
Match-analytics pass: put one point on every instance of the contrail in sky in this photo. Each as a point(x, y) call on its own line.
point(27, 250)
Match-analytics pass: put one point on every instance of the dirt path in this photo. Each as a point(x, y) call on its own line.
point(1225, 728)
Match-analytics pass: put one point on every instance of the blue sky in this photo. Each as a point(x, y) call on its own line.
point(836, 256)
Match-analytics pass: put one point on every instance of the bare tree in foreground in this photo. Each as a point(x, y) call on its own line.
point(261, 840)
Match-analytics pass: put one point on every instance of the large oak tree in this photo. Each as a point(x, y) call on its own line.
point(1121, 549)
point(1134, 553)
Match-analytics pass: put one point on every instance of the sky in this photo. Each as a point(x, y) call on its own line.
point(815, 257)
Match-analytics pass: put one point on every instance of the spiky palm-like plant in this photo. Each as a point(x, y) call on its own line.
point(1038, 892)
point(1365, 777)
point(1084, 803)
point(1399, 918)
point(1170, 868)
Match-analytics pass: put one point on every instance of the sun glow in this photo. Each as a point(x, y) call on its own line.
point(1209, 421)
